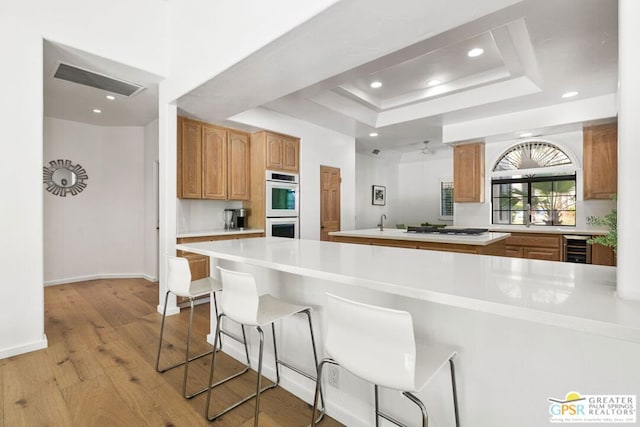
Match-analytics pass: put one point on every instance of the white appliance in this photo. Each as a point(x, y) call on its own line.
point(282, 195)
point(283, 227)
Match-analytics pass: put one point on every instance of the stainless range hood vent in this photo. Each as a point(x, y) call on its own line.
point(81, 76)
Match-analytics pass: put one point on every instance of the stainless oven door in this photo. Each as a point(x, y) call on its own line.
point(283, 227)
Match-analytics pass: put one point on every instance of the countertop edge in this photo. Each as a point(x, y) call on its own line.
point(218, 233)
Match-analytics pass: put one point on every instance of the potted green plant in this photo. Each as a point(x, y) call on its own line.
point(609, 220)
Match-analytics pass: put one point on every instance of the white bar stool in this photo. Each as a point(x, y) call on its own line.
point(179, 283)
point(378, 345)
point(241, 303)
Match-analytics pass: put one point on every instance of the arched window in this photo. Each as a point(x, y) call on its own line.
point(530, 155)
point(546, 195)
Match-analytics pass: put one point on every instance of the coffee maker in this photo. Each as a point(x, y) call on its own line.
point(240, 219)
point(229, 223)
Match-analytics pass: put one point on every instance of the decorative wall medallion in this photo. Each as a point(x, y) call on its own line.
point(62, 177)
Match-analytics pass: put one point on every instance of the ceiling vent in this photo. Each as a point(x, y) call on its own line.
point(74, 74)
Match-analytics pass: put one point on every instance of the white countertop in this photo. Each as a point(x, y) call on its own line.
point(573, 296)
point(547, 229)
point(400, 234)
point(218, 232)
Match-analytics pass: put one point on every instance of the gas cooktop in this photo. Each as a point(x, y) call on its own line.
point(437, 230)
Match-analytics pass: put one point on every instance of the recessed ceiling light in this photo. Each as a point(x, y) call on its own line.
point(526, 134)
point(434, 82)
point(373, 134)
point(569, 94)
point(475, 52)
point(376, 85)
point(97, 110)
point(111, 97)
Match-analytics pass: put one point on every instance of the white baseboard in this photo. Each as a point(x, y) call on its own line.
point(100, 276)
point(293, 382)
point(24, 348)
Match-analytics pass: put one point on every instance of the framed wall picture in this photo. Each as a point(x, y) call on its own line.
point(378, 195)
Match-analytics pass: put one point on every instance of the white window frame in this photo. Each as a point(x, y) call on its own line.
point(440, 215)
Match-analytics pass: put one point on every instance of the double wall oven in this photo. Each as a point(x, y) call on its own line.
point(282, 204)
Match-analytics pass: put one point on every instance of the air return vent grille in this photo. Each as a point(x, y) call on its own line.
point(99, 81)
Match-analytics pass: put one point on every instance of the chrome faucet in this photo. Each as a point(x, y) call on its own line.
point(382, 218)
point(527, 217)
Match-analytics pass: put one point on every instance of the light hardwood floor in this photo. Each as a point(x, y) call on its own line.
point(99, 368)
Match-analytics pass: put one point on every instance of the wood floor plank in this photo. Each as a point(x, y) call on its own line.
point(30, 392)
point(99, 368)
point(96, 402)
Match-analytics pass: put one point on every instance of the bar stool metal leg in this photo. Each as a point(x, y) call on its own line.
point(318, 393)
point(187, 359)
point(455, 391)
point(212, 386)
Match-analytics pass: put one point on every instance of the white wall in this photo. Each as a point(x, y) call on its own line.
point(99, 232)
point(228, 31)
point(318, 147)
point(151, 200)
point(420, 187)
point(377, 171)
point(21, 117)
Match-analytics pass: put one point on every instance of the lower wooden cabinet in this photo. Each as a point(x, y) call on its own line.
point(535, 246)
point(547, 254)
point(198, 264)
point(602, 255)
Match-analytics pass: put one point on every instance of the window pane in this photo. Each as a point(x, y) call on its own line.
point(446, 199)
point(541, 188)
point(541, 217)
point(565, 217)
point(552, 202)
point(564, 187)
point(500, 217)
point(517, 217)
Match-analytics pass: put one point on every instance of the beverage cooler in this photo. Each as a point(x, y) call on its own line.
point(576, 249)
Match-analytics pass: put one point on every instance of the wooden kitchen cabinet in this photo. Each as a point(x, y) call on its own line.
point(198, 264)
point(238, 164)
point(535, 246)
point(600, 161)
point(189, 160)
point(602, 255)
point(213, 162)
point(214, 165)
point(282, 152)
point(468, 173)
point(547, 254)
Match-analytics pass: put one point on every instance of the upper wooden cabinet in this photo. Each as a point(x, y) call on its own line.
point(600, 161)
point(238, 166)
point(282, 152)
point(468, 173)
point(189, 160)
point(213, 162)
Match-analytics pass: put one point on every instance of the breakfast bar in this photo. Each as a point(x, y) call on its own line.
point(538, 327)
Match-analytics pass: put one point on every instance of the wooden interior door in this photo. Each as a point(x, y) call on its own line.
point(329, 201)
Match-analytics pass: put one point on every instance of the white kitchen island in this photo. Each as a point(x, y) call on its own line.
point(526, 330)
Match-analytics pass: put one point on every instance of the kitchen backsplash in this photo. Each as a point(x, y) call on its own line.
point(202, 215)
